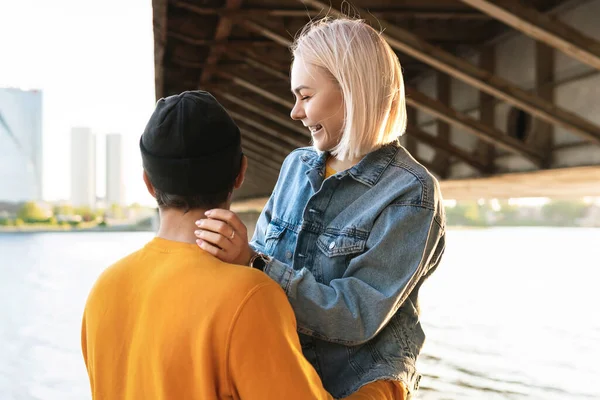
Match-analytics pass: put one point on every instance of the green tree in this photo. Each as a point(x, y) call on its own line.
point(509, 214)
point(456, 215)
point(64, 209)
point(100, 213)
point(473, 214)
point(563, 212)
point(467, 213)
point(31, 212)
point(116, 211)
point(86, 213)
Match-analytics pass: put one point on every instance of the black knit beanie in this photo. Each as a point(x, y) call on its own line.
point(191, 146)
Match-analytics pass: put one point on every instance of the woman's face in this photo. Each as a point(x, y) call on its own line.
point(319, 104)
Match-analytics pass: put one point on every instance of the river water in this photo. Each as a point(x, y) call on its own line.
point(511, 313)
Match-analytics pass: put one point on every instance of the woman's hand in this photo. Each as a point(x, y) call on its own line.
point(225, 236)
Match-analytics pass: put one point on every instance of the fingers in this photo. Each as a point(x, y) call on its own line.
point(215, 239)
point(224, 235)
point(228, 217)
point(216, 226)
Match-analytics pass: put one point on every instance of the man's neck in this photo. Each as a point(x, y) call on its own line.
point(178, 226)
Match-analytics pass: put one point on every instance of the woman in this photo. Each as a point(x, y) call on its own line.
point(354, 224)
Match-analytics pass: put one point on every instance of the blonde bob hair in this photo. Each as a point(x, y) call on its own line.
point(369, 76)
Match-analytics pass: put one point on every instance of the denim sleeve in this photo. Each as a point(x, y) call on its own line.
point(405, 242)
point(258, 239)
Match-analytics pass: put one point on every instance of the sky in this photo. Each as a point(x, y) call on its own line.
point(94, 62)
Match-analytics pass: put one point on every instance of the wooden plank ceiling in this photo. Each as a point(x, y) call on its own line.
point(238, 49)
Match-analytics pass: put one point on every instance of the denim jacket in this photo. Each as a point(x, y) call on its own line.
point(351, 252)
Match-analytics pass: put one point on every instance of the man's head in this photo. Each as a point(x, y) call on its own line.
point(191, 152)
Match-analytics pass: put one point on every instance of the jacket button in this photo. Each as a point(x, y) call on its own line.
point(331, 245)
point(288, 255)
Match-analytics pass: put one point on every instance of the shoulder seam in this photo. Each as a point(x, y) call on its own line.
point(424, 187)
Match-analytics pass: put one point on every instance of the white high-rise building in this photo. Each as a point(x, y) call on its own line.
point(115, 188)
point(20, 145)
point(83, 167)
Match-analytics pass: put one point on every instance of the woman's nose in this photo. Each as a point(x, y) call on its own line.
point(297, 112)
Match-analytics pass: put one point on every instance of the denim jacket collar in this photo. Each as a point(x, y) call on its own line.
point(315, 159)
point(368, 170)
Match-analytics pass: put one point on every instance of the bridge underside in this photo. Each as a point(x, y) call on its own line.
point(503, 96)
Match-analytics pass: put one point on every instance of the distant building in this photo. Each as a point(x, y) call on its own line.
point(115, 188)
point(20, 145)
point(83, 167)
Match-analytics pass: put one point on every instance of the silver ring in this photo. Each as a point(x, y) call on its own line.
point(232, 234)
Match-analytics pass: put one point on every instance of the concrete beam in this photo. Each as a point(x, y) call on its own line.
point(543, 28)
point(444, 95)
point(416, 13)
point(487, 109)
point(269, 130)
point(267, 160)
point(265, 111)
point(256, 143)
point(160, 18)
point(256, 89)
point(575, 77)
point(276, 37)
point(408, 43)
point(569, 182)
point(411, 142)
point(281, 149)
point(447, 149)
point(264, 164)
point(221, 33)
point(485, 132)
point(543, 136)
point(233, 43)
point(258, 64)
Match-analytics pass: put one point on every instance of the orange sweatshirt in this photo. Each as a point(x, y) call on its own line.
point(172, 322)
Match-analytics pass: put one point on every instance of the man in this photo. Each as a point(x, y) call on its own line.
point(171, 321)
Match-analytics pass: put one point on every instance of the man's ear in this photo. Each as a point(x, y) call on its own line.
point(242, 175)
point(149, 185)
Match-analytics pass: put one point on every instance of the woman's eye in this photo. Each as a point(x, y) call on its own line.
point(304, 98)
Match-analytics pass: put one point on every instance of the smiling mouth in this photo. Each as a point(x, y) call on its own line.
point(315, 129)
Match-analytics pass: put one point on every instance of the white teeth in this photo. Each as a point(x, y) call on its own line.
point(315, 128)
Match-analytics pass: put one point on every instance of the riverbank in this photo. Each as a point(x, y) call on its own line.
point(69, 229)
point(25, 229)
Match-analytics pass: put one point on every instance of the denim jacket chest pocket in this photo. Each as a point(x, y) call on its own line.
point(279, 241)
point(337, 248)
